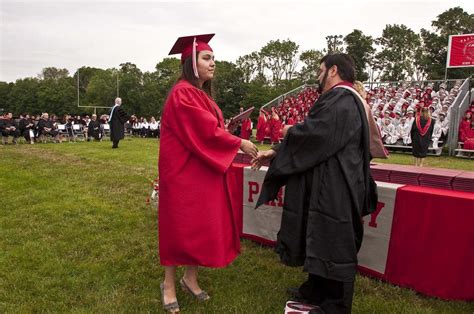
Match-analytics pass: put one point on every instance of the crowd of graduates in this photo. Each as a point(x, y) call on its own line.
point(393, 107)
point(40, 128)
point(291, 110)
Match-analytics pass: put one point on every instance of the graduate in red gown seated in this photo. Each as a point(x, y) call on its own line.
point(464, 126)
point(196, 222)
point(261, 126)
point(469, 136)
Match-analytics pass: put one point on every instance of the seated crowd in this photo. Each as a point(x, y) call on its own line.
point(39, 128)
point(393, 108)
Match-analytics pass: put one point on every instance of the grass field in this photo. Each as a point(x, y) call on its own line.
point(77, 236)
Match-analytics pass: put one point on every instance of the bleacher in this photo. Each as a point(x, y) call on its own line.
point(396, 98)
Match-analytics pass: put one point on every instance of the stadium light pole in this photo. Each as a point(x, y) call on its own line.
point(78, 88)
point(117, 85)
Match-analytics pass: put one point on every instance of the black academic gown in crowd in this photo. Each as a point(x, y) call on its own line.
point(324, 163)
point(25, 125)
point(8, 123)
point(93, 129)
point(119, 117)
point(420, 143)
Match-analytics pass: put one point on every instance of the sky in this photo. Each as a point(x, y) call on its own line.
point(70, 34)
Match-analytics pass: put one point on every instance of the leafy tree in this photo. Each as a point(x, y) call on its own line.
point(23, 96)
point(229, 87)
point(152, 95)
point(334, 44)
point(397, 57)
point(453, 22)
point(160, 82)
point(310, 58)
point(251, 65)
point(5, 89)
point(102, 89)
point(52, 73)
point(434, 49)
point(57, 96)
point(280, 59)
point(130, 79)
point(360, 47)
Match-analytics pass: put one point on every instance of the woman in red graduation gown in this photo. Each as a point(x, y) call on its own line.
point(246, 129)
point(275, 128)
point(261, 126)
point(196, 222)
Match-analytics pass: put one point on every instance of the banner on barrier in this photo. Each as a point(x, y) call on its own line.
point(460, 51)
point(264, 223)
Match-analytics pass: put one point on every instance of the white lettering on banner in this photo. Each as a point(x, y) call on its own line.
point(265, 221)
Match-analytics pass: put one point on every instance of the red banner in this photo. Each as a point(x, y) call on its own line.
point(460, 51)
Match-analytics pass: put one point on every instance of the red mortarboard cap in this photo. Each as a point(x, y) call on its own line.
point(184, 45)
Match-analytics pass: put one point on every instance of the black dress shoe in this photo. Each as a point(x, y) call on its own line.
point(294, 292)
point(295, 295)
point(317, 310)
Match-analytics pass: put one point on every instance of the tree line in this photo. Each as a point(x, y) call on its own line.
point(254, 79)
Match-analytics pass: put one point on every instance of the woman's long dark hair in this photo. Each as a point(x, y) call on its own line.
point(187, 73)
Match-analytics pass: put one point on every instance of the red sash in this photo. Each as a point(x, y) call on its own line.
point(418, 125)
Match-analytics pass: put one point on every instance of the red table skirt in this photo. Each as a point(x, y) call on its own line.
point(432, 243)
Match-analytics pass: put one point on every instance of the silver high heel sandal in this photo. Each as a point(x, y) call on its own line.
point(172, 307)
point(202, 296)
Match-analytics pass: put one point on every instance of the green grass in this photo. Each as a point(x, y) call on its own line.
point(76, 235)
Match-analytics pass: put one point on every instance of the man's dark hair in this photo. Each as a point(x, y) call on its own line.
point(345, 65)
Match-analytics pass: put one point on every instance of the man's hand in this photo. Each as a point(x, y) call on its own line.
point(249, 148)
point(262, 158)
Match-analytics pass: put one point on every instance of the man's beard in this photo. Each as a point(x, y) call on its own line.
point(323, 83)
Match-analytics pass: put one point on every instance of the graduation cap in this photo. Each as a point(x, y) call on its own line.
point(189, 46)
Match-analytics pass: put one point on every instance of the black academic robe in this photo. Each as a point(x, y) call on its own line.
point(324, 163)
point(119, 117)
point(420, 143)
point(93, 129)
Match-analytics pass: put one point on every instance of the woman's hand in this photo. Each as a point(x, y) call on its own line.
point(249, 148)
point(262, 158)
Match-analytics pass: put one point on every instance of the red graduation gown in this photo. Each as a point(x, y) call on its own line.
point(196, 220)
point(246, 129)
point(275, 130)
point(261, 126)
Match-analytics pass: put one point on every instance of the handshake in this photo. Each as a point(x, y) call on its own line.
point(258, 158)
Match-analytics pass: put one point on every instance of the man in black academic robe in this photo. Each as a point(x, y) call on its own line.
point(93, 129)
point(324, 164)
point(26, 126)
point(8, 127)
point(117, 119)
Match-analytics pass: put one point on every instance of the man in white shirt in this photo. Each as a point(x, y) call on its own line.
point(440, 130)
point(403, 131)
point(388, 132)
